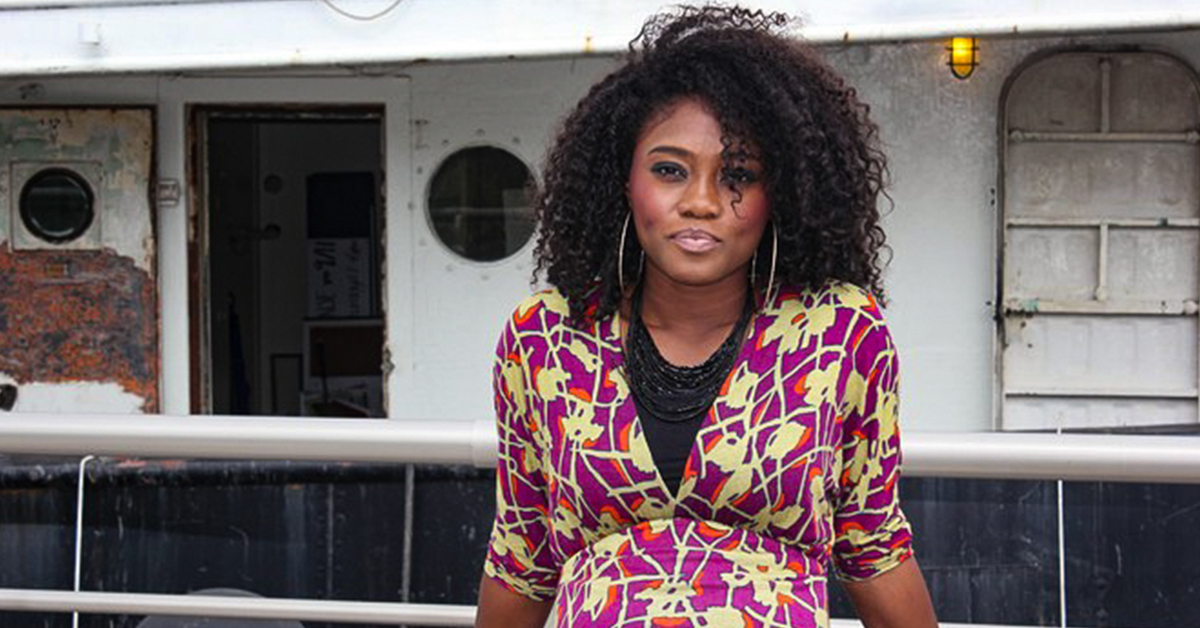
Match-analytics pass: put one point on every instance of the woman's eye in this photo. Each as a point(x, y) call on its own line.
point(669, 170)
point(739, 176)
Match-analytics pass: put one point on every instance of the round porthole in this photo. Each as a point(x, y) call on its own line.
point(479, 203)
point(57, 205)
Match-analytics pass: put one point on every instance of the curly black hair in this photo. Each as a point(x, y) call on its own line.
point(823, 170)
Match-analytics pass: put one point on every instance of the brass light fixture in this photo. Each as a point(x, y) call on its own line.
point(964, 56)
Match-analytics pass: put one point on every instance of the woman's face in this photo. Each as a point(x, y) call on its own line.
point(682, 202)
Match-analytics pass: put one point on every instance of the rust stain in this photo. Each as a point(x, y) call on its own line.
point(79, 316)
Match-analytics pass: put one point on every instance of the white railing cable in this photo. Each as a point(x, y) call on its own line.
point(81, 491)
point(1070, 457)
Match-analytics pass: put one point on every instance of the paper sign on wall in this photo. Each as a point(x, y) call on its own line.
point(339, 278)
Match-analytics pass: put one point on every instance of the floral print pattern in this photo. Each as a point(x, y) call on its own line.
point(794, 468)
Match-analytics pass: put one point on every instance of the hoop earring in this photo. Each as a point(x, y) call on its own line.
point(771, 277)
point(754, 269)
point(621, 255)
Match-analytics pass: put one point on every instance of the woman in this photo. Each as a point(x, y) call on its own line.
point(698, 420)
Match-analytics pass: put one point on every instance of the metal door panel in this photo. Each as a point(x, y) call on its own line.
point(78, 319)
point(1052, 263)
point(1103, 180)
point(1149, 264)
point(1081, 354)
point(1148, 95)
point(1057, 96)
point(1022, 413)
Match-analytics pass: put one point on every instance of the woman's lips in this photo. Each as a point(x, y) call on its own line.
point(695, 240)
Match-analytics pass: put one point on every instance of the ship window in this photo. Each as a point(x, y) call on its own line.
point(57, 205)
point(479, 203)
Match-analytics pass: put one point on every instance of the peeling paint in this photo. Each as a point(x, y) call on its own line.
point(79, 317)
point(66, 398)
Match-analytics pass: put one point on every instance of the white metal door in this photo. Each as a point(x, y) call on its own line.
point(1100, 230)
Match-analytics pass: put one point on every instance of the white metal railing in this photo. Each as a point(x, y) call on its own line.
point(236, 607)
point(1024, 456)
point(270, 608)
point(1082, 457)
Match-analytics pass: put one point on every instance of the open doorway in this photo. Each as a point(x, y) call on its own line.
point(287, 293)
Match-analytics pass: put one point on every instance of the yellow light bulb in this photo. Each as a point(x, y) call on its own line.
point(963, 56)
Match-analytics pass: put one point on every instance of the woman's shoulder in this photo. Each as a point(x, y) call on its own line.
point(541, 311)
point(828, 299)
point(835, 313)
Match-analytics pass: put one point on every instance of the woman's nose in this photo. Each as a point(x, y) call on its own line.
point(702, 198)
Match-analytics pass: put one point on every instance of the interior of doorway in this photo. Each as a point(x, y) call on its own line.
point(291, 283)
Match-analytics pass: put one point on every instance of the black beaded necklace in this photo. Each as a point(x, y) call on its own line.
point(677, 393)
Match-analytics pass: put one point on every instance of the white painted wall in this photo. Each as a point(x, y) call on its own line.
point(459, 305)
point(444, 313)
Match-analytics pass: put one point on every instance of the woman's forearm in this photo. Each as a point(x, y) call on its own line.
point(896, 599)
point(501, 608)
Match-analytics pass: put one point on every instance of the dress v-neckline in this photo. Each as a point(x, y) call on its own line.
point(706, 420)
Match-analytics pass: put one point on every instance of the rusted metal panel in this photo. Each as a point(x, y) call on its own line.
point(79, 319)
point(78, 316)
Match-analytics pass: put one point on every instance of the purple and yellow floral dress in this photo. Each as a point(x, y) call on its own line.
point(794, 468)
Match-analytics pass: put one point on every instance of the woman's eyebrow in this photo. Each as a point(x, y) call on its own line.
point(670, 150)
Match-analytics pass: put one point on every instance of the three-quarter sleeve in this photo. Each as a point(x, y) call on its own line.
point(519, 554)
point(871, 534)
